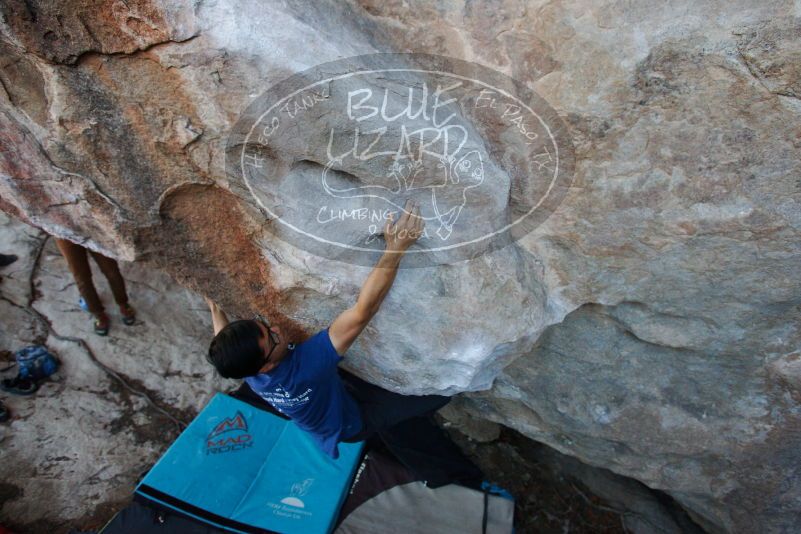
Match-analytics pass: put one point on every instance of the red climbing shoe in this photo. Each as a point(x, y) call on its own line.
point(101, 324)
point(128, 314)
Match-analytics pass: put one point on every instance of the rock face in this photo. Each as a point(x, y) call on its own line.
point(650, 325)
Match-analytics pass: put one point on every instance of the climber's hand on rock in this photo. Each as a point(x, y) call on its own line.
point(402, 234)
point(218, 318)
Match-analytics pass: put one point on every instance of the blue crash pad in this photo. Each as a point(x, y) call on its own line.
point(246, 470)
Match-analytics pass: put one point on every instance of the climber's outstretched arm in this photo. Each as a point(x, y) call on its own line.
point(218, 318)
point(399, 236)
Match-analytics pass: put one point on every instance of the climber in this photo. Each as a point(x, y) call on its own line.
point(302, 381)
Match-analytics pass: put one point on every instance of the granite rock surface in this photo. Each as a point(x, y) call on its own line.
point(650, 325)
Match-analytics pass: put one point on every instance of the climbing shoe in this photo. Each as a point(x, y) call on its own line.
point(128, 314)
point(101, 324)
point(35, 362)
point(7, 259)
point(19, 386)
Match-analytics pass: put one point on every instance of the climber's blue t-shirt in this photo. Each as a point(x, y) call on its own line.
point(306, 387)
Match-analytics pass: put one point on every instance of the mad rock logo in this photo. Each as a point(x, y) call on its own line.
point(331, 153)
point(231, 434)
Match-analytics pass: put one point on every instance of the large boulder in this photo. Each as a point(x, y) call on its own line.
point(649, 325)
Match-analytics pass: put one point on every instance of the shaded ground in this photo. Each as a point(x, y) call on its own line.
point(547, 500)
point(558, 493)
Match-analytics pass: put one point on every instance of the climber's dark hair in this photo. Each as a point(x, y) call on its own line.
point(235, 350)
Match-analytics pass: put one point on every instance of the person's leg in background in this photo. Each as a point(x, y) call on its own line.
point(111, 271)
point(78, 263)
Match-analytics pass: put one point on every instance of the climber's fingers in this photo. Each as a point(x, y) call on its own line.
point(415, 218)
point(404, 218)
point(419, 222)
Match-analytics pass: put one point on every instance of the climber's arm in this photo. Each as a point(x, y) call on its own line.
point(218, 318)
point(350, 323)
point(399, 237)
